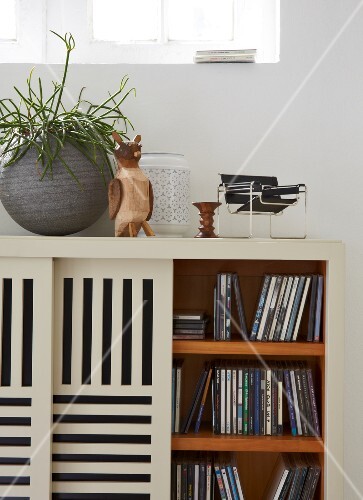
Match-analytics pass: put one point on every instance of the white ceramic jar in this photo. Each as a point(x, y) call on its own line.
point(169, 174)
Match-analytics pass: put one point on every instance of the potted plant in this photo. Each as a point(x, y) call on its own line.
point(54, 162)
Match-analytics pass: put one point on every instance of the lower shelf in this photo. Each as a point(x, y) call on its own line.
point(206, 441)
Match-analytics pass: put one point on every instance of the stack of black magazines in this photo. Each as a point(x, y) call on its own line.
point(295, 477)
point(189, 325)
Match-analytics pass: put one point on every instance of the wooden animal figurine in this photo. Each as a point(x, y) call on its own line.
point(130, 193)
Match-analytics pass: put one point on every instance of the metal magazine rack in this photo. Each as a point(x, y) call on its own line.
point(259, 195)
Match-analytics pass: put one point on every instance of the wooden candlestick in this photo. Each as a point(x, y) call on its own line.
point(206, 212)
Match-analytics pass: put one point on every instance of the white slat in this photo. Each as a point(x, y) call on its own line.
point(137, 308)
point(17, 332)
point(76, 409)
point(77, 323)
point(15, 451)
point(93, 487)
point(102, 468)
point(16, 490)
point(115, 429)
point(17, 470)
point(97, 334)
point(118, 449)
point(14, 431)
point(1, 321)
point(58, 332)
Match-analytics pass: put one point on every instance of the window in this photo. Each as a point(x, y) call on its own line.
point(137, 31)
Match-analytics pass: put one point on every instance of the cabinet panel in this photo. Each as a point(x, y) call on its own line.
point(26, 374)
point(112, 363)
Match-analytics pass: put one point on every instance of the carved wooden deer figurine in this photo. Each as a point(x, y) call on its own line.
point(130, 193)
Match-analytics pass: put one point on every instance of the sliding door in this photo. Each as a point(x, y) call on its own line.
point(111, 387)
point(25, 378)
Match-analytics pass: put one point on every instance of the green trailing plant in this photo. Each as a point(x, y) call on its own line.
point(44, 124)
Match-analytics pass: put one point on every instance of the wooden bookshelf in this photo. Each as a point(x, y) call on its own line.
point(194, 281)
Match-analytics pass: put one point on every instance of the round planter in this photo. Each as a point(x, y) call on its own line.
point(58, 206)
point(169, 174)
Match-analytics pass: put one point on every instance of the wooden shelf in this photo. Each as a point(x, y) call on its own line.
point(239, 347)
point(207, 441)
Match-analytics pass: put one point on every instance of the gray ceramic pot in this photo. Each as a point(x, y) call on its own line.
point(57, 206)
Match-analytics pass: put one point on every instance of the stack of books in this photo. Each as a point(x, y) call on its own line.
point(295, 476)
point(189, 325)
point(248, 398)
point(227, 287)
point(280, 308)
point(230, 56)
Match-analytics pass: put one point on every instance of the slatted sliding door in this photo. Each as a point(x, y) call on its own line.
point(112, 363)
point(25, 378)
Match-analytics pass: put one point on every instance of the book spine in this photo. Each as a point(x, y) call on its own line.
point(290, 403)
point(226, 483)
point(228, 306)
point(240, 402)
point(173, 481)
point(277, 308)
point(173, 390)
point(279, 402)
point(251, 394)
point(261, 330)
point(202, 480)
point(314, 407)
point(263, 402)
point(295, 308)
point(282, 313)
point(274, 411)
point(217, 402)
point(196, 481)
point(312, 307)
point(190, 476)
point(245, 400)
point(222, 307)
point(202, 404)
point(234, 401)
point(177, 399)
point(307, 401)
point(272, 309)
point(209, 482)
point(218, 308)
point(301, 308)
point(296, 404)
point(260, 306)
point(218, 474)
point(178, 481)
point(184, 482)
point(232, 482)
point(257, 401)
point(268, 402)
point(300, 395)
point(319, 307)
point(223, 401)
point(215, 322)
point(288, 308)
point(240, 307)
point(238, 483)
point(228, 400)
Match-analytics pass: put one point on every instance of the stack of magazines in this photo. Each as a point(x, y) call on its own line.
point(189, 325)
point(231, 56)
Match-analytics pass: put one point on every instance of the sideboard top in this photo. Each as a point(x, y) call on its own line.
point(168, 248)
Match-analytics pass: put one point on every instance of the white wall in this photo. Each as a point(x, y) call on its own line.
point(217, 114)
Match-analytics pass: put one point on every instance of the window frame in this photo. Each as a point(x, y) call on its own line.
point(36, 44)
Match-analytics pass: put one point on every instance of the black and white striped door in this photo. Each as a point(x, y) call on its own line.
point(112, 362)
point(26, 303)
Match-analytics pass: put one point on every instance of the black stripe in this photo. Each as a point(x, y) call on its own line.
point(126, 332)
point(106, 331)
point(147, 331)
point(83, 457)
point(101, 438)
point(15, 401)
point(26, 421)
point(15, 441)
point(14, 461)
point(87, 330)
point(27, 374)
point(15, 480)
point(101, 419)
point(108, 478)
point(67, 330)
point(103, 400)
point(6, 333)
point(100, 496)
